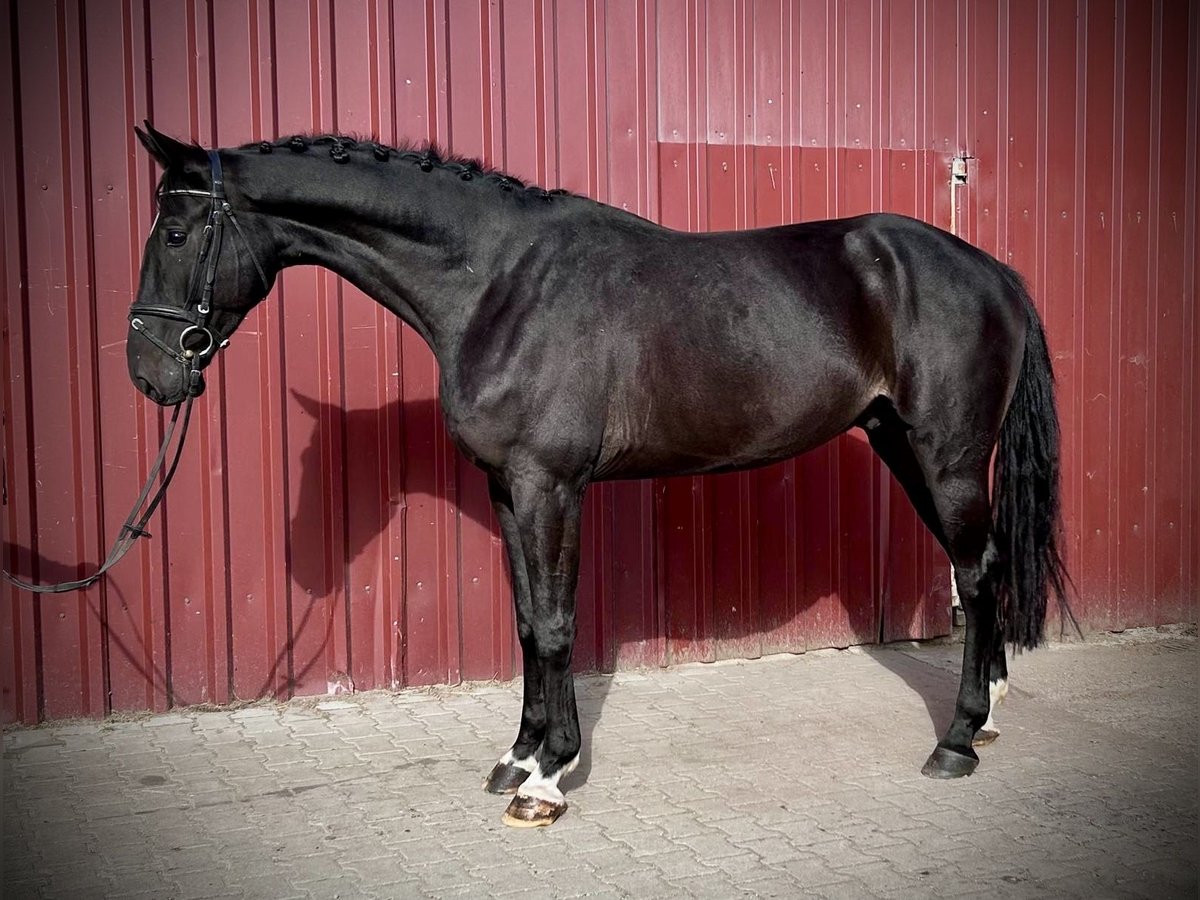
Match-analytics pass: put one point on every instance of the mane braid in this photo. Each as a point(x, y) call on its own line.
point(427, 155)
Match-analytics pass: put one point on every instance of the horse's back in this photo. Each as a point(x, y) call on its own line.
point(756, 345)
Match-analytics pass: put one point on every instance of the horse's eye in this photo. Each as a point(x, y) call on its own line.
point(176, 238)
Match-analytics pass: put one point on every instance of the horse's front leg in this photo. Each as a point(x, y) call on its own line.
point(547, 512)
point(517, 764)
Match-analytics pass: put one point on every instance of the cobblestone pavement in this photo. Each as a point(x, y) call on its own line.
point(789, 776)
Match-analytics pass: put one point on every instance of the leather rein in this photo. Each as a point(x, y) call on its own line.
point(196, 315)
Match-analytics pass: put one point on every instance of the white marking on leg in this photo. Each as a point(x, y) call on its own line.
point(570, 767)
point(997, 691)
point(527, 763)
point(545, 787)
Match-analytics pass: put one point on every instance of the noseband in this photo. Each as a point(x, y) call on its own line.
point(196, 311)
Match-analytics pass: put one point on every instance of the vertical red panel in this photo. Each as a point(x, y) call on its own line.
point(685, 530)
point(258, 635)
point(904, 75)
point(632, 171)
point(579, 96)
point(815, 106)
point(731, 511)
point(989, 115)
point(772, 528)
point(181, 592)
point(486, 641)
point(1097, 425)
point(20, 672)
point(89, 540)
point(300, 105)
point(629, 35)
point(526, 48)
point(1170, 356)
point(676, 48)
point(1061, 296)
point(240, 554)
point(859, 57)
point(1136, 309)
point(365, 563)
point(724, 103)
point(1191, 279)
point(944, 76)
point(53, 296)
point(856, 466)
point(821, 615)
point(769, 515)
point(138, 673)
point(914, 582)
point(1019, 144)
point(430, 590)
point(765, 78)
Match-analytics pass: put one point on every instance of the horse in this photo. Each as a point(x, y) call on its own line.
point(577, 342)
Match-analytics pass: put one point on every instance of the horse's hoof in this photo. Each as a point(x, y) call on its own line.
point(983, 737)
point(530, 812)
point(944, 763)
point(505, 779)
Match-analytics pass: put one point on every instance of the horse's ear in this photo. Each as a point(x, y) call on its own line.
point(308, 404)
point(166, 150)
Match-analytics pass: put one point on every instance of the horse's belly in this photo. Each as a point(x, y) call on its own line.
point(677, 443)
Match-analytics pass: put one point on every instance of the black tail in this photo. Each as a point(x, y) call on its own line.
point(1025, 495)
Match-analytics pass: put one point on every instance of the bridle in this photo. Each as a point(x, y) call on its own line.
point(195, 312)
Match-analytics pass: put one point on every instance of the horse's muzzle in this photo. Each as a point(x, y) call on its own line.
point(194, 388)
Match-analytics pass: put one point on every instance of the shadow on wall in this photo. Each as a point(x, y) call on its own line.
point(369, 427)
point(26, 565)
point(321, 555)
point(320, 558)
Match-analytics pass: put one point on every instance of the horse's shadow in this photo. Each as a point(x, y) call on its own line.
point(366, 427)
point(318, 581)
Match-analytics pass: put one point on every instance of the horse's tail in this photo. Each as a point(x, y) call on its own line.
point(1025, 494)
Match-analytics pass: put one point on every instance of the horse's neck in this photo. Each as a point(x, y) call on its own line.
point(427, 256)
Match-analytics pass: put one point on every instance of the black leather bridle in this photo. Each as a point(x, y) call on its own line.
point(195, 313)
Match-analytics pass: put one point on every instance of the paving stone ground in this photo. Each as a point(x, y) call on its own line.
point(788, 776)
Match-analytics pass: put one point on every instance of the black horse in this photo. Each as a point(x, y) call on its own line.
point(577, 342)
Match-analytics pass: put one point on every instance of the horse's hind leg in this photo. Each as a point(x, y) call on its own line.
point(516, 765)
point(889, 439)
point(956, 471)
point(997, 691)
point(888, 435)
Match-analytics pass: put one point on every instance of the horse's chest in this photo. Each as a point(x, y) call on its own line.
point(483, 431)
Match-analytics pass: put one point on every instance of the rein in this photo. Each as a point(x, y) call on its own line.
point(196, 316)
point(134, 526)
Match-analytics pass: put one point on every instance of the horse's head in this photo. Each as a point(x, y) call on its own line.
point(202, 272)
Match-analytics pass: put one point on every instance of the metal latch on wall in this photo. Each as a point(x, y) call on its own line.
point(958, 177)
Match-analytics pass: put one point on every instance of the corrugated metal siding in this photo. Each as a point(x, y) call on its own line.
point(324, 534)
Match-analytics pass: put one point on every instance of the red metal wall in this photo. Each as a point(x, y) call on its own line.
point(323, 534)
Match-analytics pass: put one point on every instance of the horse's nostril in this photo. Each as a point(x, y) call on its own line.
point(149, 390)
